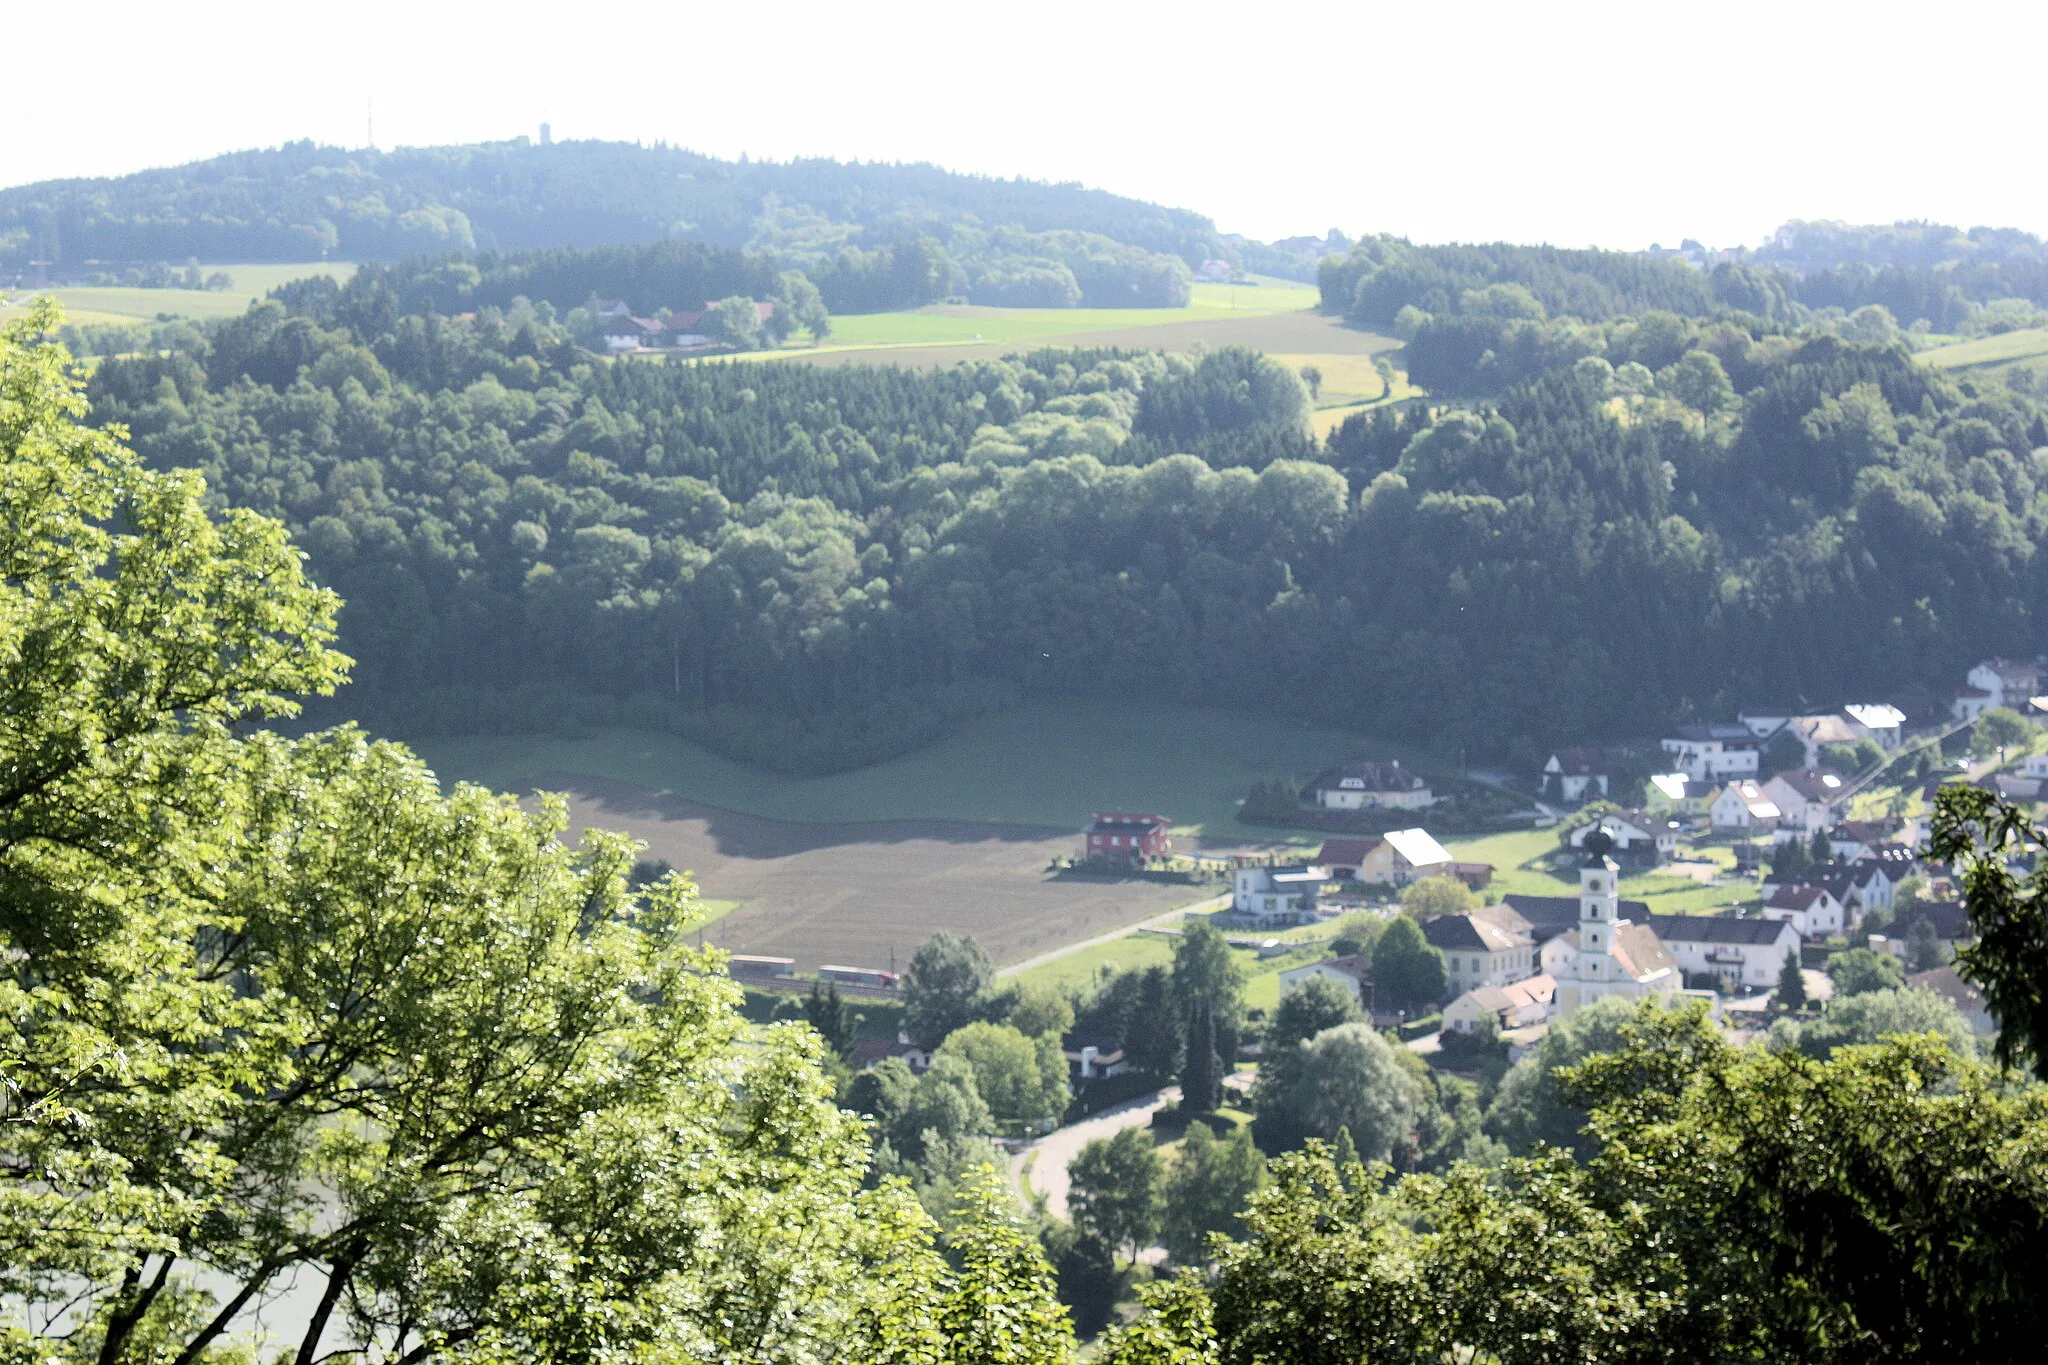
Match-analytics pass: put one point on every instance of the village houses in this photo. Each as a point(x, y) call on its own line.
point(1713, 752)
point(1516, 1005)
point(1289, 894)
point(1395, 858)
point(1996, 682)
point(1637, 836)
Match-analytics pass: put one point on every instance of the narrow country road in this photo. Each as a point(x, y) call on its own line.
point(1051, 1154)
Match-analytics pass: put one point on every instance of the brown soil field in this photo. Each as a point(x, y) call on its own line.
point(1306, 331)
point(853, 893)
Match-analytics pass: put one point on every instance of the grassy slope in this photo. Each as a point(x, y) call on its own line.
point(1989, 350)
point(1043, 764)
point(142, 305)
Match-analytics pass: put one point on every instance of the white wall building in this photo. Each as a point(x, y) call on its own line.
point(1742, 805)
point(1713, 752)
point(1812, 910)
point(1277, 895)
point(1606, 955)
point(1746, 952)
point(1482, 948)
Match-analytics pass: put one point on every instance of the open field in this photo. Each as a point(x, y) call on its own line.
point(866, 893)
point(1991, 350)
point(1044, 764)
point(124, 305)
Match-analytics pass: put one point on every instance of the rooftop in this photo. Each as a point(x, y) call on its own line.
point(1418, 847)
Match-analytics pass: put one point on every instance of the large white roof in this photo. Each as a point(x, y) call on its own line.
point(1418, 847)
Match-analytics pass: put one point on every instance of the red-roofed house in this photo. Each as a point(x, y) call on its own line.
point(1344, 857)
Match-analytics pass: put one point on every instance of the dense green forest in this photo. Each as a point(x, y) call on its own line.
point(1669, 516)
point(999, 241)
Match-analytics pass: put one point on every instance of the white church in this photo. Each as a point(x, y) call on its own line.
point(1606, 954)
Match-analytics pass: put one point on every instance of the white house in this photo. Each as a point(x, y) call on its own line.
point(1277, 895)
point(2006, 682)
point(871, 1051)
point(1861, 886)
point(1606, 955)
point(1713, 752)
point(1350, 972)
point(1748, 953)
point(1515, 1005)
point(1481, 949)
point(1878, 721)
point(1575, 775)
point(623, 332)
point(1636, 834)
point(1742, 805)
point(1807, 798)
point(1812, 910)
point(1371, 786)
point(1091, 1061)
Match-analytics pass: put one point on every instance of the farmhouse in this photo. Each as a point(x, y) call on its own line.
point(1481, 949)
point(1349, 971)
point(1636, 835)
point(1404, 855)
point(1515, 1005)
point(1807, 798)
point(1277, 895)
point(1742, 952)
point(1606, 954)
point(1371, 786)
point(1574, 775)
point(624, 332)
point(1812, 910)
point(1344, 857)
point(1126, 836)
point(1713, 752)
point(1742, 805)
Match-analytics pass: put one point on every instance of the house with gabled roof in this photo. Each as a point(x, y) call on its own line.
point(1812, 910)
point(1807, 798)
point(1405, 855)
point(1714, 751)
point(1634, 835)
point(1744, 952)
point(1481, 949)
point(1577, 774)
point(1518, 1004)
point(1742, 806)
point(1367, 785)
point(1353, 972)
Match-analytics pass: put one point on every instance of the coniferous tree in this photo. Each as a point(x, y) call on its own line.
point(1201, 1074)
point(1791, 984)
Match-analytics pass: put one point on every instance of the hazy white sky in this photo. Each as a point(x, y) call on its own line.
point(1608, 123)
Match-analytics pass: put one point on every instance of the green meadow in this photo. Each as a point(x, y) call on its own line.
point(121, 304)
point(1991, 350)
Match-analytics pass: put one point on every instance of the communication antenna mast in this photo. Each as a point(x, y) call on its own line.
point(370, 123)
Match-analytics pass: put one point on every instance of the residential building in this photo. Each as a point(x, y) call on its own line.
point(1713, 752)
point(869, 1051)
point(1948, 919)
point(1971, 702)
point(1518, 1004)
point(1747, 953)
point(1807, 799)
point(1371, 786)
point(1968, 1000)
point(1817, 732)
point(1093, 1061)
point(1277, 895)
point(1861, 886)
point(1402, 856)
point(1854, 839)
point(624, 332)
point(1637, 835)
point(1743, 806)
point(1343, 858)
point(2006, 682)
point(1481, 950)
point(1127, 836)
point(1878, 721)
point(1677, 794)
point(1575, 775)
point(1606, 954)
point(1349, 971)
point(1812, 910)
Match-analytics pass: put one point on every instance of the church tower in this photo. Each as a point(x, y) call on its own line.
point(1599, 907)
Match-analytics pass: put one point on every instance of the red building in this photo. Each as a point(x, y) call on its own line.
point(1124, 836)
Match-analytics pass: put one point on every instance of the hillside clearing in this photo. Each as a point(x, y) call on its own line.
point(121, 304)
point(1991, 350)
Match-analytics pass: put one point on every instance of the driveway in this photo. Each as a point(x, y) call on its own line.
point(1050, 1155)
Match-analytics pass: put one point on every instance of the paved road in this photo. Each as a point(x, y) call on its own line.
point(1213, 903)
point(1054, 1151)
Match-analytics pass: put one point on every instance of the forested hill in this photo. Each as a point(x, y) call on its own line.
point(815, 567)
point(1016, 241)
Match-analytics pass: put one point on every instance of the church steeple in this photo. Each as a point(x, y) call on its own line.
point(1599, 887)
